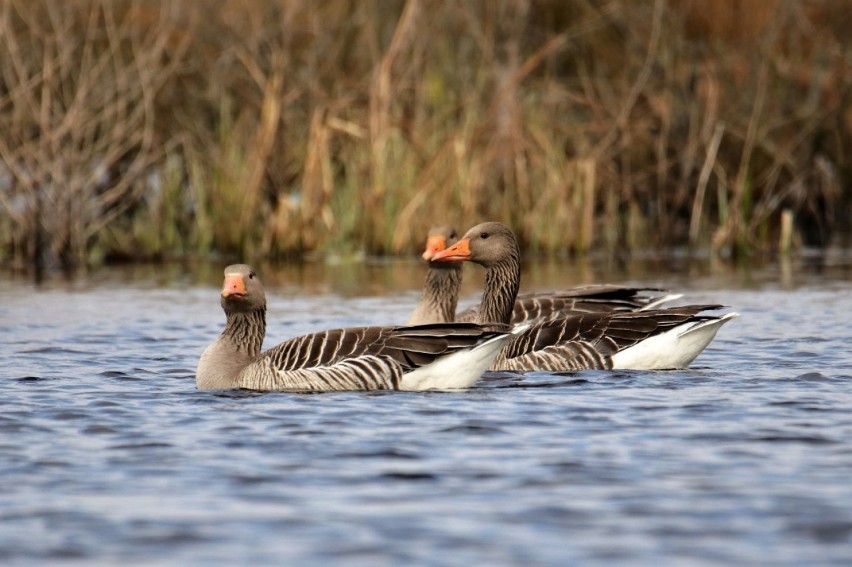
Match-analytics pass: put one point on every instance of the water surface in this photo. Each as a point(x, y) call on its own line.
point(108, 454)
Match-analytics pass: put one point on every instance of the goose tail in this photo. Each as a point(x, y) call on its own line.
point(676, 348)
point(456, 371)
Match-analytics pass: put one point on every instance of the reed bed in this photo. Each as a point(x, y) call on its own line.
point(146, 129)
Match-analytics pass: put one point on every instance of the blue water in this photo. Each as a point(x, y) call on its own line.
point(109, 456)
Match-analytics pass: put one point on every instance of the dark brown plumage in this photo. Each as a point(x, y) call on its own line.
point(664, 338)
point(358, 358)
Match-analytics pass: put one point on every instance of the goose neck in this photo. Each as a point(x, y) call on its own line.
point(502, 281)
point(246, 330)
point(441, 291)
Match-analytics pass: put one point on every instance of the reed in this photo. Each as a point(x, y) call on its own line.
point(78, 121)
point(138, 129)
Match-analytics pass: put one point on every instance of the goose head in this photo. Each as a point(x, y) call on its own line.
point(439, 238)
point(487, 244)
point(242, 291)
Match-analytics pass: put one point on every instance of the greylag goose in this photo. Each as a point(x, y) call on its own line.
point(446, 356)
point(643, 340)
point(443, 282)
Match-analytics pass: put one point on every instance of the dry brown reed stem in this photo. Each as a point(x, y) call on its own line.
point(381, 102)
point(785, 241)
point(344, 126)
point(731, 232)
point(78, 126)
point(250, 182)
point(318, 182)
point(703, 178)
point(620, 122)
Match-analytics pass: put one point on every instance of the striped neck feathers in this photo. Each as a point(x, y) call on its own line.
point(502, 281)
point(246, 330)
point(441, 291)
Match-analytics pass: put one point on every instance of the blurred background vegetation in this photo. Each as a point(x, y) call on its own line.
point(149, 129)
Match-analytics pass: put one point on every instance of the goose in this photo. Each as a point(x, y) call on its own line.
point(654, 339)
point(442, 356)
point(440, 295)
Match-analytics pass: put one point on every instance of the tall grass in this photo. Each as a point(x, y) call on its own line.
point(138, 129)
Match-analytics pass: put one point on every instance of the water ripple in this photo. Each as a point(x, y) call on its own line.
point(109, 455)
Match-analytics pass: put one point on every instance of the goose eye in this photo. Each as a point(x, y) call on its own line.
point(483, 235)
point(251, 275)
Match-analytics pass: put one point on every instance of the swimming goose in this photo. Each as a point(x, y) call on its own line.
point(445, 356)
point(443, 282)
point(643, 340)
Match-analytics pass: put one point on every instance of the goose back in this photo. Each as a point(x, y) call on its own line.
point(591, 340)
point(586, 299)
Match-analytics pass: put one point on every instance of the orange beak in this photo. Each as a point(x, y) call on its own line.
point(434, 244)
point(456, 253)
point(234, 286)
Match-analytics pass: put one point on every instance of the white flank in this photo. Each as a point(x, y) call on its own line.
point(660, 301)
point(458, 370)
point(676, 348)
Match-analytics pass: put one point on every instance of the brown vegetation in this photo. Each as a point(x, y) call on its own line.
point(147, 128)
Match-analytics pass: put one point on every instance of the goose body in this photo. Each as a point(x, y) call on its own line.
point(647, 339)
point(441, 289)
point(441, 356)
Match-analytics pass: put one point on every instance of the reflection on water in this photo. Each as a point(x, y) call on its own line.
point(381, 276)
point(108, 455)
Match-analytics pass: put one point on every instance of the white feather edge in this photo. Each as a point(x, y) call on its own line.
point(675, 348)
point(661, 300)
point(459, 370)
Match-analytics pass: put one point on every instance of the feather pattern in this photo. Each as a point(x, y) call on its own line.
point(589, 341)
point(443, 281)
point(440, 296)
point(364, 373)
point(358, 358)
point(246, 330)
point(587, 299)
point(502, 285)
point(580, 340)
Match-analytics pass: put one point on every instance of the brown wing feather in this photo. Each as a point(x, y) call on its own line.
point(409, 347)
point(586, 299)
point(588, 340)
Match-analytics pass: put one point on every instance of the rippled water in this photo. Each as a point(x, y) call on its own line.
point(108, 454)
